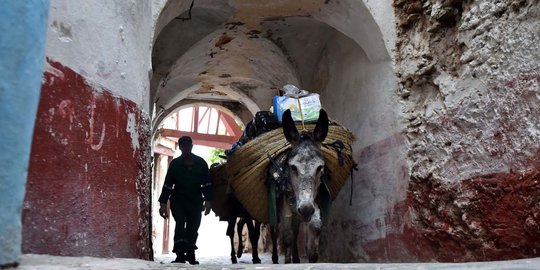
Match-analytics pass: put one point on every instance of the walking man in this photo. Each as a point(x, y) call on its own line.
point(187, 185)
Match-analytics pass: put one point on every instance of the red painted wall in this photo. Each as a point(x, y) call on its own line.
point(486, 218)
point(490, 217)
point(88, 185)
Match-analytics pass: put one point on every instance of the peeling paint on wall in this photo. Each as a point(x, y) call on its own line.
point(108, 43)
point(132, 129)
point(87, 192)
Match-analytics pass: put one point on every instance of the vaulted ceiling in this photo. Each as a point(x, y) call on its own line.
point(237, 54)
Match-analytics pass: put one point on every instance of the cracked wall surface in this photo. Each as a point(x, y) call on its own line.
point(469, 78)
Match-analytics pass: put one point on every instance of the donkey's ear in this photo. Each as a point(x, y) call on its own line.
point(289, 128)
point(321, 129)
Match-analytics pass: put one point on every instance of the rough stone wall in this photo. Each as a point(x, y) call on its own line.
point(469, 78)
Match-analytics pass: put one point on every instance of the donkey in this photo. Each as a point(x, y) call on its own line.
point(304, 168)
point(236, 212)
point(229, 209)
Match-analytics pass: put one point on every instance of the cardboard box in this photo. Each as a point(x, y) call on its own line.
point(305, 108)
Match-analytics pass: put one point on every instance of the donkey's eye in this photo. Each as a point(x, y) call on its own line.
point(294, 169)
point(320, 169)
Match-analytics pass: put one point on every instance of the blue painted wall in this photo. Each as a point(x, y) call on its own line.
point(23, 26)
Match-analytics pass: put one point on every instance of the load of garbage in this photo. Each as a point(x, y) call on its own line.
point(249, 159)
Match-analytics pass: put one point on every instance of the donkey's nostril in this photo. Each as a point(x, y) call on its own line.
point(306, 210)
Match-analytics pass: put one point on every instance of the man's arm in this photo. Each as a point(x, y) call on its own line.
point(166, 192)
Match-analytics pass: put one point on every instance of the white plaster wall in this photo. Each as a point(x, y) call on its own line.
point(164, 11)
point(383, 14)
point(355, 20)
point(160, 166)
point(361, 95)
point(157, 11)
point(107, 42)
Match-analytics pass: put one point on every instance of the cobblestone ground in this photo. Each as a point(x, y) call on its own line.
point(45, 262)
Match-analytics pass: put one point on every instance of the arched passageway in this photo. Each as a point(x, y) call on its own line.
point(243, 53)
point(441, 96)
point(232, 55)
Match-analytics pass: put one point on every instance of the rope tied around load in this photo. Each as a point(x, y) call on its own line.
point(279, 175)
point(353, 168)
point(338, 145)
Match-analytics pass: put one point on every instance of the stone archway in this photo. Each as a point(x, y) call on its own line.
point(335, 48)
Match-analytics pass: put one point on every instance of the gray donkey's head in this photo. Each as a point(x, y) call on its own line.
point(305, 164)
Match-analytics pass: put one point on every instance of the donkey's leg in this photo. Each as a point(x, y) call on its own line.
point(313, 236)
point(230, 232)
point(287, 236)
point(239, 229)
point(295, 229)
point(313, 245)
point(254, 234)
point(287, 239)
point(273, 235)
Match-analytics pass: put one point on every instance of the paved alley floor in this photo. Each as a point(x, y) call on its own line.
point(45, 262)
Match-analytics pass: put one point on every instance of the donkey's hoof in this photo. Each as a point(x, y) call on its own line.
point(275, 260)
point(256, 261)
point(233, 259)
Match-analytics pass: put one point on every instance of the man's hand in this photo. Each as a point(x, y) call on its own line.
point(207, 207)
point(163, 210)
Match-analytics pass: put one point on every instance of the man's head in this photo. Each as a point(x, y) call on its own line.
point(186, 144)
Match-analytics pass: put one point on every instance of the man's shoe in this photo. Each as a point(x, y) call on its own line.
point(180, 258)
point(190, 257)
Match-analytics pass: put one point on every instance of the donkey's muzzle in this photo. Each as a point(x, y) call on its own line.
point(306, 210)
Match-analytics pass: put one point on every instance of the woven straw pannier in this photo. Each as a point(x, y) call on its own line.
point(220, 188)
point(246, 169)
